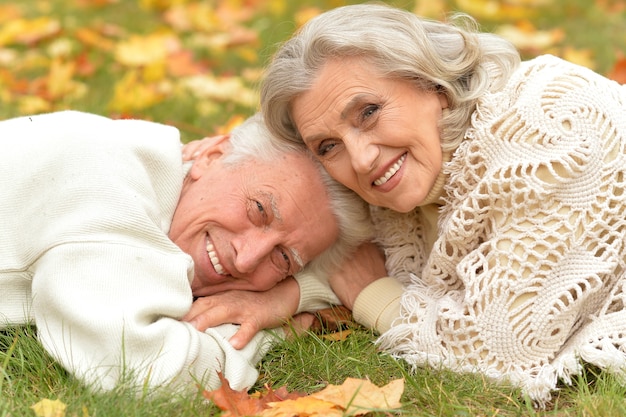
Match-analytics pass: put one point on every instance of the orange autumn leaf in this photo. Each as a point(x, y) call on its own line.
point(182, 64)
point(240, 403)
point(9, 12)
point(618, 73)
point(235, 403)
point(93, 38)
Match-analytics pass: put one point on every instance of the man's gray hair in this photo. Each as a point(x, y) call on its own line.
point(252, 140)
point(451, 58)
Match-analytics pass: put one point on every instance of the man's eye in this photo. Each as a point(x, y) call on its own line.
point(259, 206)
point(284, 260)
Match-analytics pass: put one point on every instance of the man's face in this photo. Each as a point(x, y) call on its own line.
point(249, 225)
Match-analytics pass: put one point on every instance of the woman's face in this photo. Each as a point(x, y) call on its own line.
point(376, 135)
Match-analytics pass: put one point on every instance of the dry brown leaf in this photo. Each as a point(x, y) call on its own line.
point(338, 336)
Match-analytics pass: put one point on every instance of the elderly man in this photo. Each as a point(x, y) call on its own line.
point(106, 235)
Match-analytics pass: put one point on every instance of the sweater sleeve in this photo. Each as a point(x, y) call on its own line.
point(378, 305)
point(315, 292)
point(109, 312)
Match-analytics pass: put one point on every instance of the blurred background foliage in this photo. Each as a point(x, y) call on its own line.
point(197, 64)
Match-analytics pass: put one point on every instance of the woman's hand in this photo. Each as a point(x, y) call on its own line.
point(253, 311)
point(365, 266)
point(195, 147)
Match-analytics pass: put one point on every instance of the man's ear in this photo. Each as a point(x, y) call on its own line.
point(211, 149)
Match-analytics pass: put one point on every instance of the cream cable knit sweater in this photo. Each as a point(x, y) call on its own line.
point(86, 203)
point(523, 273)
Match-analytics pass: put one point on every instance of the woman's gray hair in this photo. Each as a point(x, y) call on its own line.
point(453, 58)
point(252, 140)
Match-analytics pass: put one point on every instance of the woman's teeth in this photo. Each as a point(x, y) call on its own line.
point(213, 257)
point(392, 170)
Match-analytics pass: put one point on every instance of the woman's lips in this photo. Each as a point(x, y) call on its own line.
point(391, 171)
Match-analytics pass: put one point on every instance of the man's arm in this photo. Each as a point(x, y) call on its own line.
point(111, 311)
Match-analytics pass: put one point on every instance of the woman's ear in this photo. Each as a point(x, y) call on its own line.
point(209, 150)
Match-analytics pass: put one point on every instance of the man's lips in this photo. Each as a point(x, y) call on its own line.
point(213, 257)
point(391, 171)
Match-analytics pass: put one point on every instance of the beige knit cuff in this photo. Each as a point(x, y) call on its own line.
point(378, 304)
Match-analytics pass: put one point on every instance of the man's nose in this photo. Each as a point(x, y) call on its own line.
point(251, 250)
point(363, 154)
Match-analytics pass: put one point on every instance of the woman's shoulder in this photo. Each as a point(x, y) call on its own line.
point(548, 71)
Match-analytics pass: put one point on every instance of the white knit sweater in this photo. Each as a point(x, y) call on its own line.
point(85, 206)
point(520, 273)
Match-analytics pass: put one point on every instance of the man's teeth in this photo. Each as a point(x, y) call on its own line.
point(392, 170)
point(214, 260)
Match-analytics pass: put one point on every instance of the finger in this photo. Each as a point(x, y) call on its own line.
point(200, 305)
point(244, 335)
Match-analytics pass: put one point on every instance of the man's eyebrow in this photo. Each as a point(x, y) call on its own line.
point(297, 258)
point(277, 216)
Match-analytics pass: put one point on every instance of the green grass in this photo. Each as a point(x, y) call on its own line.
point(305, 364)
point(28, 374)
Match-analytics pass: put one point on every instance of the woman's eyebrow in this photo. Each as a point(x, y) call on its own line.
point(352, 104)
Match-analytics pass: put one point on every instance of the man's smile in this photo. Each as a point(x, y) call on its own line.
point(213, 257)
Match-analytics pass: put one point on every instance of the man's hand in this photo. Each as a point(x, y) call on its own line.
point(195, 147)
point(365, 266)
point(253, 311)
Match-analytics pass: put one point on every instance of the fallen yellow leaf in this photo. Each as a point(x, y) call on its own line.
point(360, 396)
point(145, 50)
point(49, 408)
point(28, 31)
point(303, 406)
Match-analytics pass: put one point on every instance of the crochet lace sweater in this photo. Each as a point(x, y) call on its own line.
point(518, 270)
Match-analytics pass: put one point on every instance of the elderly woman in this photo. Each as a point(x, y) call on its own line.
point(498, 189)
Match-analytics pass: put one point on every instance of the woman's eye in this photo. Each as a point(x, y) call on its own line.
point(325, 147)
point(369, 111)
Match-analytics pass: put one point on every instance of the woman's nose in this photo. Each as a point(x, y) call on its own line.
point(363, 154)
